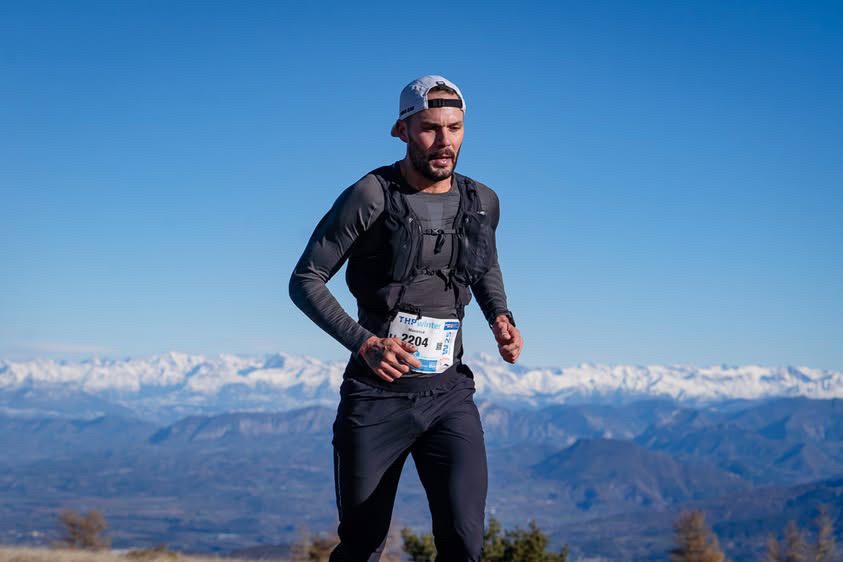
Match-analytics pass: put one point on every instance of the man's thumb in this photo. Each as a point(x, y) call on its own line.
point(408, 346)
point(504, 331)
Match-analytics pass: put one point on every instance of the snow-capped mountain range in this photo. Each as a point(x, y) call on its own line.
point(172, 385)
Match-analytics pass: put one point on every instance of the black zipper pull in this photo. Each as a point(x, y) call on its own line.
point(440, 241)
point(448, 278)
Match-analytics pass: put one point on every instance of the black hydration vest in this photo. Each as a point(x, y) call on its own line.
point(379, 280)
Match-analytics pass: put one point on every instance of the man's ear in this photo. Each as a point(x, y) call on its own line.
point(401, 129)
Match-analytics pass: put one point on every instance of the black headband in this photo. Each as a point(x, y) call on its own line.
point(444, 102)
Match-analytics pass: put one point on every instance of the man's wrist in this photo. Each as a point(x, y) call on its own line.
point(358, 353)
point(504, 313)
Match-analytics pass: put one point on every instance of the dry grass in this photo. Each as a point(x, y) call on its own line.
point(30, 554)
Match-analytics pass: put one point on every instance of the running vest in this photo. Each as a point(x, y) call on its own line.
point(379, 280)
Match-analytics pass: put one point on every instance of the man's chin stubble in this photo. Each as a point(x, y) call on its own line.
point(439, 175)
point(436, 174)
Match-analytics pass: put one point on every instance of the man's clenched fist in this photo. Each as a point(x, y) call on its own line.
point(508, 337)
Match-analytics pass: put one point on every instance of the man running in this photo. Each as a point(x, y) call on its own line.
point(419, 239)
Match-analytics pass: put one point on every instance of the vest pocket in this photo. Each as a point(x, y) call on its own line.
point(477, 247)
point(401, 247)
point(387, 298)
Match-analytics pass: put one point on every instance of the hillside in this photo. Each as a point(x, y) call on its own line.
point(603, 478)
point(30, 554)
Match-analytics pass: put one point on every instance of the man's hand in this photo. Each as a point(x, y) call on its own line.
point(389, 358)
point(508, 337)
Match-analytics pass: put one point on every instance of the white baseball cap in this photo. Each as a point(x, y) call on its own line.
point(414, 97)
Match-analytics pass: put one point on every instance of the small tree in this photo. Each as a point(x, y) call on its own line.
point(824, 547)
point(528, 545)
point(694, 541)
point(517, 545)
point(774, 553)
point(83, 531)
point(795, 549)
point(419, 547)
point(494, 544)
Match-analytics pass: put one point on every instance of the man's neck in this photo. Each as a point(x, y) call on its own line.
point(421, 183)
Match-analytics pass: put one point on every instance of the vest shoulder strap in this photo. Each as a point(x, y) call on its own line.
point(468, 192)
point(392, 200)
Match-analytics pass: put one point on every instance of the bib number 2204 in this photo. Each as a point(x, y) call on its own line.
point(415, 340)
point(434, 339)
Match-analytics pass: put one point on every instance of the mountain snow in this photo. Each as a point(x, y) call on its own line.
point(171, 385)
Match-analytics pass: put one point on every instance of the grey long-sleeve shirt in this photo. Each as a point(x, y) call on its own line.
point(336, 239)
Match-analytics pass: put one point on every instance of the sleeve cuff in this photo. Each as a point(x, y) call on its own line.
point(498, 313)
point(359, 341)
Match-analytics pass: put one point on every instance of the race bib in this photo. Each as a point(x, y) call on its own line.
point(434, 339)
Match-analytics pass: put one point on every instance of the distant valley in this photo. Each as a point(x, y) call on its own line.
point(224, 454)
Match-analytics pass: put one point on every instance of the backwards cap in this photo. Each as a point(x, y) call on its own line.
point(414, 97)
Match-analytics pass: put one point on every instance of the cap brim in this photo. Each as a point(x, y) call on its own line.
point(394, 131)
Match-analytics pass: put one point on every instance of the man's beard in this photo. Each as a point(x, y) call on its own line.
point(421, 162)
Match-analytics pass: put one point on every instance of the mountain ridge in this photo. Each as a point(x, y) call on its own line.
point(174, 385)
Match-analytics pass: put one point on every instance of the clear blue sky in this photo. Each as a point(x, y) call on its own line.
point(670, 174)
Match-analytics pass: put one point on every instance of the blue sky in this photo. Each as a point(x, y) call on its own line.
point(670, 174)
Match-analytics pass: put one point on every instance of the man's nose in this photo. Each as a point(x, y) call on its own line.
point(444, 137)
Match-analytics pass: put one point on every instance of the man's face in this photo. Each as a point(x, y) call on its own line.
point(433, 138)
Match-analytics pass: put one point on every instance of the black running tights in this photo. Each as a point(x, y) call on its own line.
point(374, 432)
